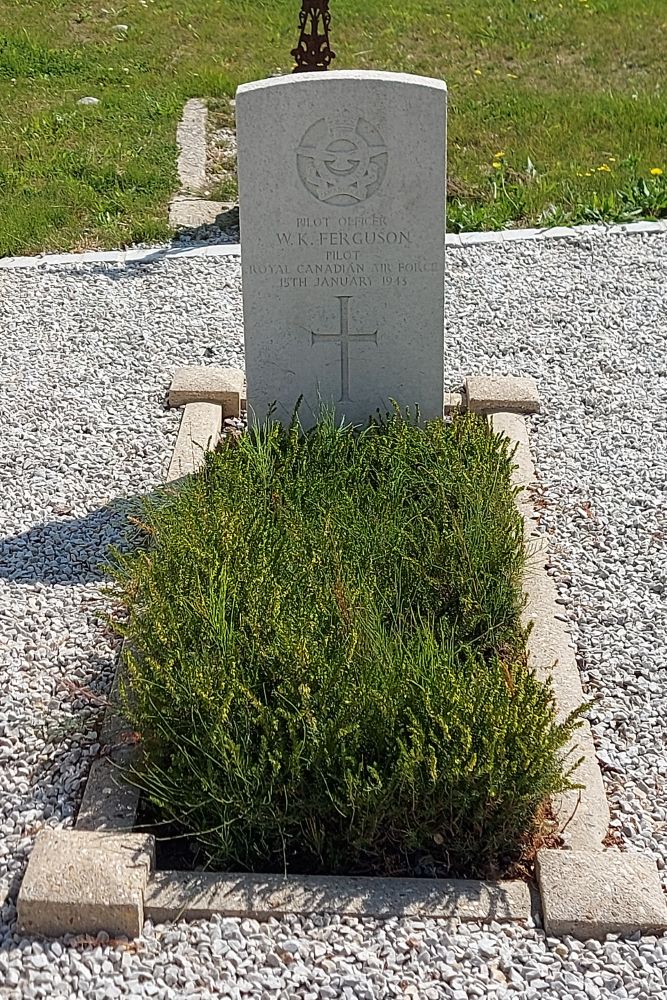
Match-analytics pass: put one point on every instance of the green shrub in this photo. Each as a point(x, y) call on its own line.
point(328, 667)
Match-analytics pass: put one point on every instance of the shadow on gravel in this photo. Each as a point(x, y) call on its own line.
point(136, 268)
point(68, 550)
point(55, 735)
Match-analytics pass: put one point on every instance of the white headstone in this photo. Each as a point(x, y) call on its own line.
point(342, 199)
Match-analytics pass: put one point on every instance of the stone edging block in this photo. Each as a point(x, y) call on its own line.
point(110, 801)
point(582, 814)
point(198, 895)
point(199, 432)
point(209, 384)
point(78, 882)
point(488, 393)
point(191, 141)
point(589, 894)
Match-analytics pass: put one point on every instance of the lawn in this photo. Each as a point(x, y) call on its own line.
point(558, 108)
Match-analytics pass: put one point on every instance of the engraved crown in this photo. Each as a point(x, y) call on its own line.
point(344, 123)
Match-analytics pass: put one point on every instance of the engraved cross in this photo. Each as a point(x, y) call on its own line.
point(344, 336)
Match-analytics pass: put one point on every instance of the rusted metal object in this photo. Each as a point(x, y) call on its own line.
point(313, 51)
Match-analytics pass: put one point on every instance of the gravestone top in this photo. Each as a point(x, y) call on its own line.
point(342, 199)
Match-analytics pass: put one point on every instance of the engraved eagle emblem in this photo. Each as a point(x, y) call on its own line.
point(342, 161)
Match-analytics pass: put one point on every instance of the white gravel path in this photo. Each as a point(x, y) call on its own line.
point(87, 353)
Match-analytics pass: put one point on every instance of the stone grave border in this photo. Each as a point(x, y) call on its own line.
point(190, 208)
point(99, 876)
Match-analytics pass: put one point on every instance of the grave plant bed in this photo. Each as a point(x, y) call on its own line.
point(325, 659)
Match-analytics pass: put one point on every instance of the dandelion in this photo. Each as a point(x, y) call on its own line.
point(478, 72)
point(497, 164)
point(499, 156)
point(605, 168)
point(656, 171)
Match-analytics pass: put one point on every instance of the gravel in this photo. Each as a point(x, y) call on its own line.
point(87, 353)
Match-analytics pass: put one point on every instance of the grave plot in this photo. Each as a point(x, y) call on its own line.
point(342, 194)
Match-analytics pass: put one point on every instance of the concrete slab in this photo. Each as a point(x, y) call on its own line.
point(109, 801)
point(582, 813)
point(196, 896)
point(487, 393)
point(80, 882)
point(592, 894)
point(209, 384)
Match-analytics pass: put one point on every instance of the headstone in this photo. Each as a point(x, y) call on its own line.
point(342, 199)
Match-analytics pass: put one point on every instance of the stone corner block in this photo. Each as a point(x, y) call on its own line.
point(80, 882)
point(589, 894)
point(454, 403)
point(188, 212)
point(492, 393)
point(209, 384)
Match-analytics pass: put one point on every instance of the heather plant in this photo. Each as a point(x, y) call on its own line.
point(325, 657)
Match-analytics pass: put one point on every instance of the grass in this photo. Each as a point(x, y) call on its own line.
point(571, 92)
point(327, 665)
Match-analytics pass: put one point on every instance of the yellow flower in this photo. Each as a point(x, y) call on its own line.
point(612, 159)
point(499, 156)
point(588, 174)
point(478, 72)
point(497, 164)
point(605, 167)
point(656, 171)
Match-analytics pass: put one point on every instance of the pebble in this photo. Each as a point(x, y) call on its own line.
point(87, 354)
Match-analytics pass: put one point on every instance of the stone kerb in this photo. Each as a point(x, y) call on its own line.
point(207, 394)
point(94, 877)
point(87, 880)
